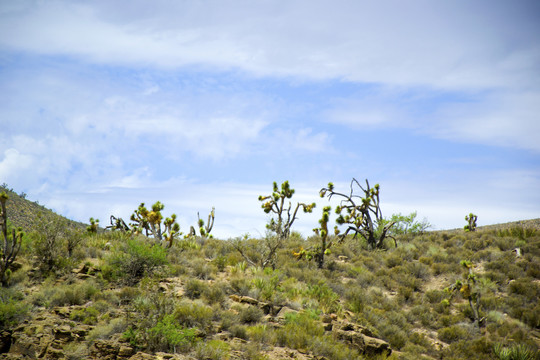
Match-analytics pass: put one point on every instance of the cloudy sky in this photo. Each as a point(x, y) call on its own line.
point(106, 104)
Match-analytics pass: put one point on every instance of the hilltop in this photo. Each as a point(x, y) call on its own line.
point(122, 296)
point(26, 213)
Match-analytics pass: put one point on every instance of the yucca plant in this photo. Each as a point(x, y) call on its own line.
point(515, 352)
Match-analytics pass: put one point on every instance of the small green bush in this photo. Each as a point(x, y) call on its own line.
point(452, 333)
point(106, 330)
point(136, 258)
point(213, 350)
point(168, 335)
point(193, 314)
point(250, 314)
point(214, 295)
point(194, 288)
point(88, 316)
point(12, 308)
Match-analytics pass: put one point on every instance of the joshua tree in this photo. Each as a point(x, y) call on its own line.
point(471, 219)
point(93, 227)
point(275, 203)
point(150, 221)
point(362, 215)
point(318, 252)
point(118, 224)
point(11, 242)
point(204, 230)
point(468, 291)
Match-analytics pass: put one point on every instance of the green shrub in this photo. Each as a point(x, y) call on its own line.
point(239, 331)
point(168, 335)
point(203, 270)
point(106, 330)
point(250, 314)
point(434, 296)
point(88, 316)
point(452, 333)
point(12, 308)
point(213, 350)
point(136, 258)
point(355, 300)
point(262, 334)
point(418, 270)
point(327, 299)
point(214, 295)
point(62, 295)
point(193, 314)
point(241, 286)
point(194, 288)
point(299, 331)
point(75, 351)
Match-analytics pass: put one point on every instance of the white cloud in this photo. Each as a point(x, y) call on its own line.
point(447, 45)
point(503, 119)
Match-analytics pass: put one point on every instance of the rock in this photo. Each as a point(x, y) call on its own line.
point(142, 356)
point(249, 300)
point(283, 312)
point(62, 311)
point(357, 335)
point(352, 337)
point(235, 298)
point(81, 331)
point(375, 346)
point(29, 346)
point(104, 349)
point(270, 309)
point(15, 266)
point(5, 341)
point(63, 333)
point(125, 351)
point(327, 319)
point(54, 351)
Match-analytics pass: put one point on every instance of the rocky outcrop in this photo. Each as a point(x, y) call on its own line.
point(361, 338)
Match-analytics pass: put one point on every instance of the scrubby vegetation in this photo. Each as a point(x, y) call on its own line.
point(436, 295)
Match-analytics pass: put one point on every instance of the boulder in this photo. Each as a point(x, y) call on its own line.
point(104, 349)
point(360, 337)
point(63, 333)
point(374, 346)
point(5, 341)
point(125, 352)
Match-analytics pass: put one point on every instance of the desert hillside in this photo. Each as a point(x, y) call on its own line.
point(78, 294)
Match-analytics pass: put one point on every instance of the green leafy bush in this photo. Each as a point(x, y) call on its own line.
point(168, 335)
point(12, 308)
point(136, 258)
point(452, 333)
point(193, 314)
point(213, 350)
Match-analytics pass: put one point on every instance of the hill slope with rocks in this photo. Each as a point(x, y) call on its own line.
point(116, 295)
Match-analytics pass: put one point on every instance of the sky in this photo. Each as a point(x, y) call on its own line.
point(201, 104)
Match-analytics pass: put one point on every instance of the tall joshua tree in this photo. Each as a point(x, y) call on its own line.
point(150, 221)
point(277, 203)
point(361, 214)
point(11, 242)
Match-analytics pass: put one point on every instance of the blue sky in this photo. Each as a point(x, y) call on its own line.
point(205, 103)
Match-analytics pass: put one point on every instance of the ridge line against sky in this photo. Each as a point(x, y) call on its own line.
point(197, 104)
